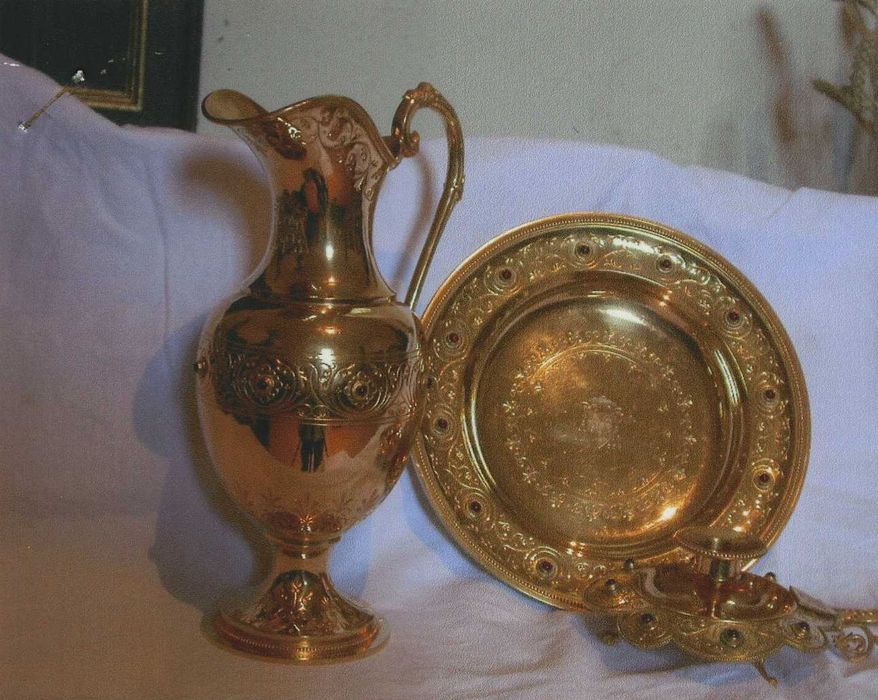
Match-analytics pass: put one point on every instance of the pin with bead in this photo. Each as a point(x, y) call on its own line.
point(77, 79)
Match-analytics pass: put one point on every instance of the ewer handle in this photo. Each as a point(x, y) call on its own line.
point(404, 142)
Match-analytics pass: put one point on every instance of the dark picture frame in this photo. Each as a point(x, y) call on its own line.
point(140, 57)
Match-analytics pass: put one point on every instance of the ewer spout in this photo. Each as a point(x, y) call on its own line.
point(326, 161)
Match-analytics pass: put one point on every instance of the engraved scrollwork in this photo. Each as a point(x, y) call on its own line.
point(703, 291)
point(847, 631)
point(503, 277)
point(338, 130)
point(264, 381)
point(748, 631)
point(303, 603)
point(285, 138)
point(644, 629)
point(723, 640)
point(600, 423)
point(310, 515)
point(363, 387)
point(250, 382)
point(854, 645)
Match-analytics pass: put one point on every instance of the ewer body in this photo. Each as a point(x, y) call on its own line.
point(311, 382)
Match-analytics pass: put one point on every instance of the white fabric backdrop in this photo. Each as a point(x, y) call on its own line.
point(116, 243)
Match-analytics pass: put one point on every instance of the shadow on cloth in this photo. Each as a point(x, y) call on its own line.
point(203, 545)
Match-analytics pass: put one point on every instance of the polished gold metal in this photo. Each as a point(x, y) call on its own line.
point(714, 611)
point(405, 142)
point(311, 383)
point(719, 553)
point(597, 383)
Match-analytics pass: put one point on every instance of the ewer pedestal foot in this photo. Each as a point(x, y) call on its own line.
point(300, 616)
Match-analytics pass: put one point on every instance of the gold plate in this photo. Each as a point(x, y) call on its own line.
point(598, 382)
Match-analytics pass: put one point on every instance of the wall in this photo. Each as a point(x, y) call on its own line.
point(689, 79)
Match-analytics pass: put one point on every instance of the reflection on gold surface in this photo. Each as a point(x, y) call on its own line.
point(311, 382)
point(599, 383)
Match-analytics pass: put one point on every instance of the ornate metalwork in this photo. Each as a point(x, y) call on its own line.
point(311, 383)
point(599, 382)
point(713, 611)
point(404, 142)
point(301, 603)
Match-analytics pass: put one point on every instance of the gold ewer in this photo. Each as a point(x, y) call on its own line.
point(311, 382)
